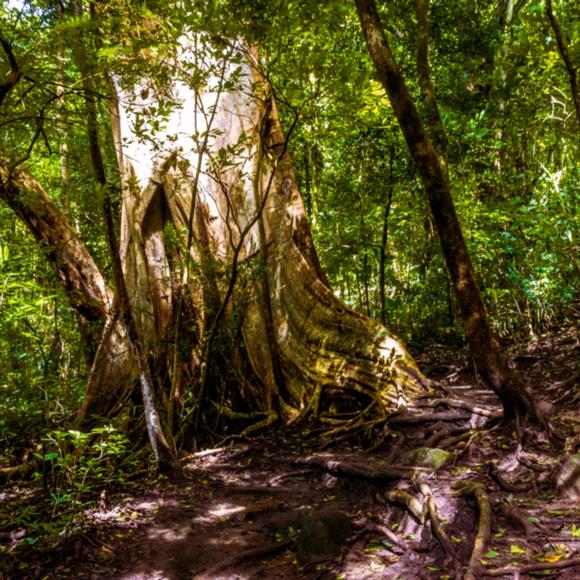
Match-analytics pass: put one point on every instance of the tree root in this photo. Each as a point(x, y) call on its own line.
point(518, 516)
point(439, 531)
point(409, 501)
point(270, 419)
point(414, 418)
point(506, 485)
point(531, 567)
point(252, 554)
point(483, 528)
point(353, 468)
point(441, 434)
point(462, 404)
point(396, 448)
point(8, 474)
point(384, 531)
point(454, 440)
point(533, 466)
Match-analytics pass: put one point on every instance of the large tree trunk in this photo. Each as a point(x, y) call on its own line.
point(489, 358)
point(233, 312)
point(220, 264)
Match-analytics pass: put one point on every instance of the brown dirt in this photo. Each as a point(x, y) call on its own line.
point(249, 510)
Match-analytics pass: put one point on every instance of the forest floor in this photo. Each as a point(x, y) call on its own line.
point(279, 506)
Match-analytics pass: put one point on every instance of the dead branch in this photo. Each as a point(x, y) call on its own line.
point(531, 567)
point(483, 528)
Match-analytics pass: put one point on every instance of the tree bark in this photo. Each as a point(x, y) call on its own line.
point(304, 347)
point(565, 54)
point(485, 347)
point(213, 193)
point(122, 314)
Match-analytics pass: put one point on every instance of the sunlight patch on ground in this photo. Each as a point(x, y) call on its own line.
point(174, 534)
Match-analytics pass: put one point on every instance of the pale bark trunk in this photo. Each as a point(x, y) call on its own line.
point(303, 345)
point(215, 243)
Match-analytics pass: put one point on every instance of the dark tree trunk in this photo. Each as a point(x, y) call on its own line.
point(565, 54)
point(485, 347)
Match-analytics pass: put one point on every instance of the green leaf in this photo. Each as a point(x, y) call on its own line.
point(491, 554)
point(517, 550)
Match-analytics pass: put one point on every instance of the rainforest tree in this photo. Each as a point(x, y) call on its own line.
point(157, 159)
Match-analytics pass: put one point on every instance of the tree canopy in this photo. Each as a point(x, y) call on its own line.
point(220, 216)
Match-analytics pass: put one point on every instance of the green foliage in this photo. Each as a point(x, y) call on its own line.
point(77, 465)
point(505, 102)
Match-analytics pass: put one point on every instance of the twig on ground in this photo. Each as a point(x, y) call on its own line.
point(277, 479)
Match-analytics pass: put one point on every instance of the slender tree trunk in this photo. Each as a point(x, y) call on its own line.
point(84, 285)
point(485, 347)
point(435, 123)
point(385, 239)
point(565, 54)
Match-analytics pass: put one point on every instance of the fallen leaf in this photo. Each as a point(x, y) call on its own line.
point(491, 554)
point(517, 550)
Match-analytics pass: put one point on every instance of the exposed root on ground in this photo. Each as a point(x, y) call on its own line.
point(505, 570)
point(438, 529)
point(483, 528)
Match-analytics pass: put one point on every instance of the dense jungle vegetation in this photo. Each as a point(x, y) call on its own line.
point(210, 215)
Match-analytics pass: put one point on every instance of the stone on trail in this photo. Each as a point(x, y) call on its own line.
point(429, 457)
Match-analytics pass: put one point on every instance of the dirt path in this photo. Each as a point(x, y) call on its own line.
point(277, 507)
